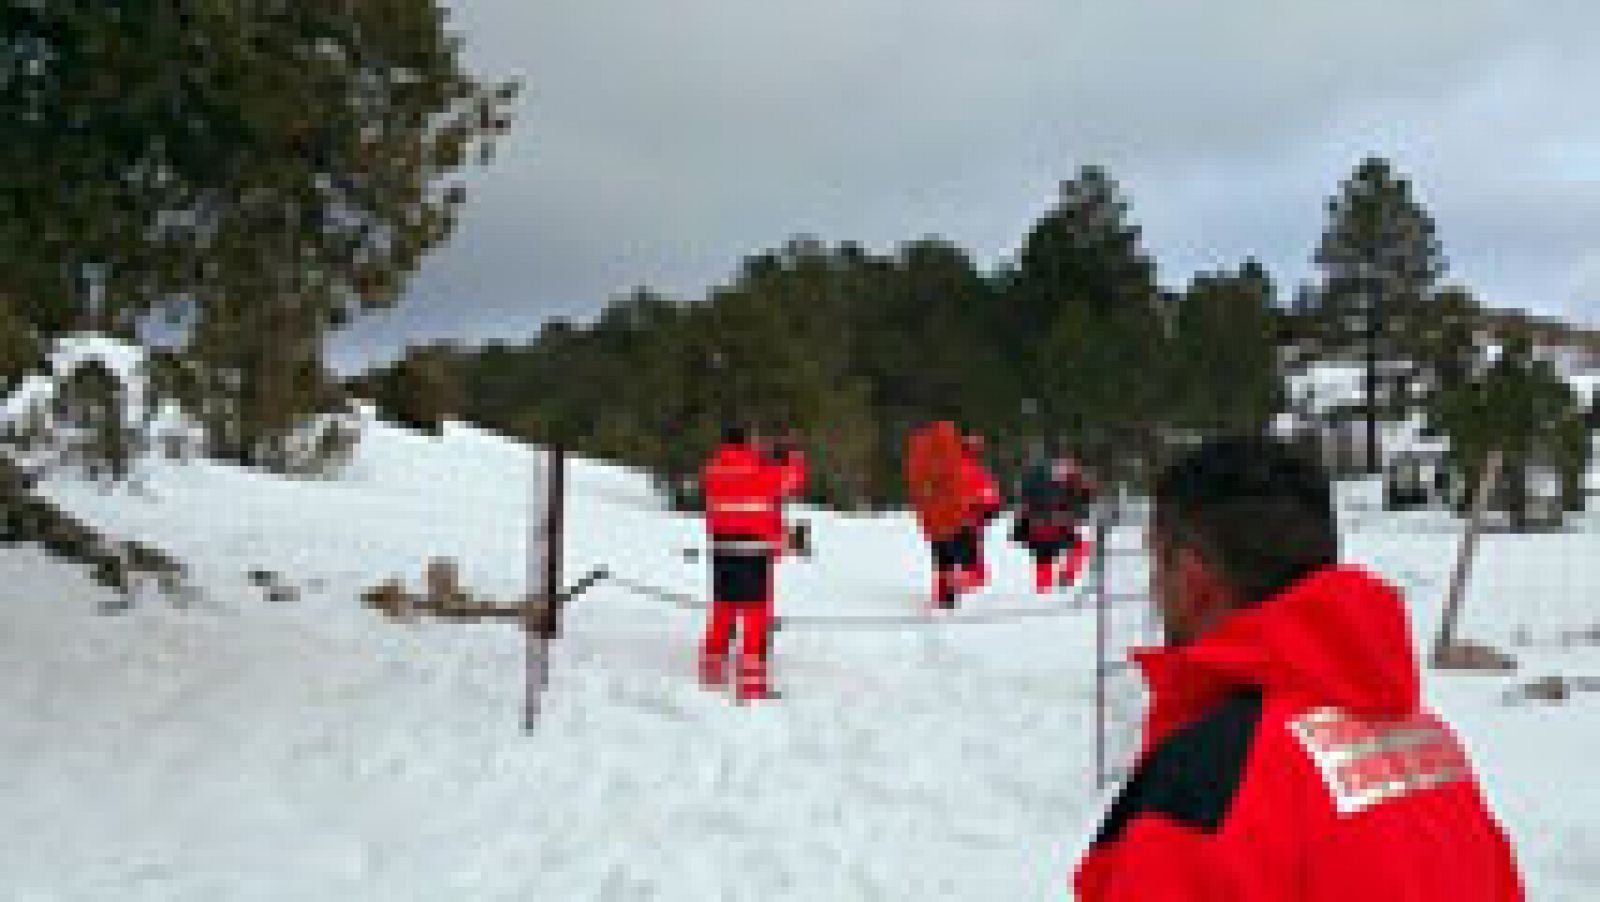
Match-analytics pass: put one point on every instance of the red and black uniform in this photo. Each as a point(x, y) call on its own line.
point(958, 558)
point(981, 495)
point(1288, 758)
point(744, 496)
point(1055, 499)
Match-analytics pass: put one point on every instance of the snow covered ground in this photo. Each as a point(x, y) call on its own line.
point(245, 749)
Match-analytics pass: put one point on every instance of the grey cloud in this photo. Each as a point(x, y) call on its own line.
point(661, 141)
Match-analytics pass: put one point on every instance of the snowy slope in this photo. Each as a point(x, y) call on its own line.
point(247, 750)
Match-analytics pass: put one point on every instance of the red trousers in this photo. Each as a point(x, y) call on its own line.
point(1051, 568)
point(752, 620)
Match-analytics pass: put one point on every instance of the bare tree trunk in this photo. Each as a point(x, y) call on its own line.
point(1469, 545)
point(1373, 466)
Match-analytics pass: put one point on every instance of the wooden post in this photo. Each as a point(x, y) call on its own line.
point(555, 530)
point(1469, 543)
point(1101, 629)
point(541, 620)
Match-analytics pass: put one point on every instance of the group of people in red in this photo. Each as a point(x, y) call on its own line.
point(956, 497)
point(1288, 755)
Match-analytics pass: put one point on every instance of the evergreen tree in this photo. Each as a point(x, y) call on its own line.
point(1225, 352)
point(1380, 258)
point(921, 330)
point(1446, 342)
point(276, 168)
point(1522, 407)
point(191, 149)
point(1083, 311)
point(420, 390)
point(260, 375)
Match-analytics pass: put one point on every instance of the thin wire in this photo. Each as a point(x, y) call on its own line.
point(868, 621)
point(858, 621)
point(677, 599)
point(688, 602)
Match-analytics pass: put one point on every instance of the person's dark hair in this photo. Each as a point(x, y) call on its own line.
point(735, 434)
point(1254, 508)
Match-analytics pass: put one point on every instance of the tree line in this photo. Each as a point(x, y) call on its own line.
point(246, 178)
point(1072, 339)
point(242, 177)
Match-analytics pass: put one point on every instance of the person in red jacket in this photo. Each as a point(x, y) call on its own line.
point(1054, 499)
point(1287, 755)
point(983, 502)
point(744, 493)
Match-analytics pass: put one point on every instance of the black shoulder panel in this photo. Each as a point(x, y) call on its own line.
point(1194, 775)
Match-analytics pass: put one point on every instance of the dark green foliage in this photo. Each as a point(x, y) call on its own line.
point(853, 349)
point(173, 378)
point(1072, 342)
point(1522, 407)
point(260, 377)
point(1084, 315)
point(1224, 353)
point(1445, 341)
point(263, 169)
point(1380, 259)
point(216, 150)
point(1083, 252)
point(420, 390)
point(19, 346)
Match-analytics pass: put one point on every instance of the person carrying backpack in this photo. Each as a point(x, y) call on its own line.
point(1053, 503)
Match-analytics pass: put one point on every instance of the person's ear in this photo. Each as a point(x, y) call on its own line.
point(1205, 597)
point(1190, 568)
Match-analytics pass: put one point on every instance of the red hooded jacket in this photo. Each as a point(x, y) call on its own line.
point(1287, 758)
point(744, 494)
point(979, 490)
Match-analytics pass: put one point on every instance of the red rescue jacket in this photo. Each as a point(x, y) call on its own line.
point(1053, 501)
point(979, 490)
point(1288, 758)
point(744, 494)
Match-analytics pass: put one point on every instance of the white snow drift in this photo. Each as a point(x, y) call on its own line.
point(241, 749)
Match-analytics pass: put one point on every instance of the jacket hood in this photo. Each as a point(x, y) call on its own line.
point(736, 454)
point(1338, 637)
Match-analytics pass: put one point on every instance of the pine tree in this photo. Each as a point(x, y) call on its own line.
point(1446, 341)
point(260, 375)
point(1380, 258)
point(1083, 310)
point(166, 149)
point(1522, 407)
point(275, 168)
point(422, 389)
point(1225, 352)
point(921, 330)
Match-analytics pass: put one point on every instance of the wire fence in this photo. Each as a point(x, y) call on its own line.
point(1117, 591)
point(1120, 573)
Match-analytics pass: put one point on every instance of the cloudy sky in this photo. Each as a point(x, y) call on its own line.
point(661, 140)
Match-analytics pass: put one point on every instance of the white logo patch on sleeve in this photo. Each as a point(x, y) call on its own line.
point(1365, 763)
